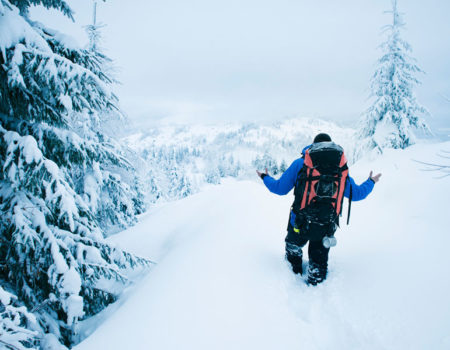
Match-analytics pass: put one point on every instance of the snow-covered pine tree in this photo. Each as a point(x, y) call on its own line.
point(395, 113)
point(93, 31)
point(113, 189)
point(179, 184)
point(154, 190)
point(111, 121)
point(53, 256)
point(212, 175)
point(233, 166)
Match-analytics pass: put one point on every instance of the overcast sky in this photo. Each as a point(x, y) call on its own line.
point(210, 60)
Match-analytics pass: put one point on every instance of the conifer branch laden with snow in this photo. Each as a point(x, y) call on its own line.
point(60, 189)
point(18, 327)
point(395, 113)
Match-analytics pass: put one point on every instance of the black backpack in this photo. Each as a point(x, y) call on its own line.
point(319, 190)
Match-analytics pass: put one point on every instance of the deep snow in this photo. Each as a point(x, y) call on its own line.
point(222, 283)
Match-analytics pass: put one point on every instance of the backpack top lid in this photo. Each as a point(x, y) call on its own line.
point(325, 145)
point(326, 156)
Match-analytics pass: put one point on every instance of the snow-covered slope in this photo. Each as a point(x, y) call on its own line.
point(221, 281)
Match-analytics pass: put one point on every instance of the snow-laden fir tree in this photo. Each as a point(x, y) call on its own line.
point(109, 122)
point(169, 172)
point(395, 113)
point(118, 192)
point(58, 188)
point(93, 31)
point(212, 175)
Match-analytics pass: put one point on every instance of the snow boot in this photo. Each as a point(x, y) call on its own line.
point(316, 273)
point(294, 255)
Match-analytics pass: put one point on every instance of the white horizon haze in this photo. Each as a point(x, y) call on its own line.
point(220, 61)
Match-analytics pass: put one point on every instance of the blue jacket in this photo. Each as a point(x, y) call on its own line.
point(286, 182)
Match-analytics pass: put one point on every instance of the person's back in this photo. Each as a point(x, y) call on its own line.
point(320, 178)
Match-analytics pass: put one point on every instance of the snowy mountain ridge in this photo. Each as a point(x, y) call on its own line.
point(250, 134)
point(181, 159)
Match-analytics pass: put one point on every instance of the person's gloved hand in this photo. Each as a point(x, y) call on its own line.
point(262, 175)
point(375, 178)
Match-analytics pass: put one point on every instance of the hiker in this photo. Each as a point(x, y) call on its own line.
point(320, 178)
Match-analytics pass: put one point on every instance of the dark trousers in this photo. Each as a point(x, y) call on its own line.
point(317, 253)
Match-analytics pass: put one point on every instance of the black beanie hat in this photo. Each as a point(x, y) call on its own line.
point(322, 137)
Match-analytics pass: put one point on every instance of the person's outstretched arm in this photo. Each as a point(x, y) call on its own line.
point(286, 182)
point(359, 192)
